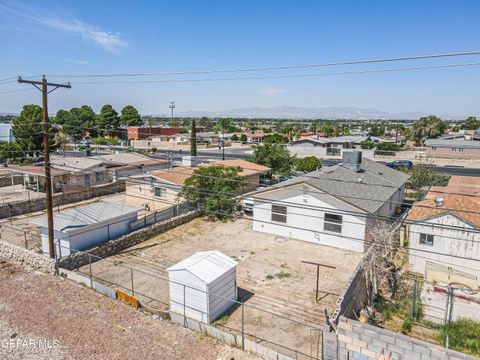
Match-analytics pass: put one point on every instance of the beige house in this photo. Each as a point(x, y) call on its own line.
point(159, 189)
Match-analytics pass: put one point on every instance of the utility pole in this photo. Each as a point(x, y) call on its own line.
point(223, 139)
point(48, 180)
point(172, 106)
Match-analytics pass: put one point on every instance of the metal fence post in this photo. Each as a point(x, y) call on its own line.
point(243, 327)
point(450, 310)
point(414, 300)
point(184, 308)
point(25, 237)
point(90, 270)
point(131, 279)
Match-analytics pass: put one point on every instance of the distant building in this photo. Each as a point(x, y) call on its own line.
point(452, 149)
point(86, 226)
point(136, 133)
point(6, 133)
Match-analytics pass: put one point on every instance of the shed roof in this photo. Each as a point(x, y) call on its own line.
point(86, 215)
point(206, 265)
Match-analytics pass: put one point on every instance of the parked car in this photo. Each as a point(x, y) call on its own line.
point(398, 164)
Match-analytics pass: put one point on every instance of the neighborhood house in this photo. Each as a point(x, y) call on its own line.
point(335, 206)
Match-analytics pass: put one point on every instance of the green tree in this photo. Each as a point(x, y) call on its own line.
point(62, 117)
point(308, 164)
point(107, 120)
point(130, 117)
point(377, 130)
point(74, 126)
point(205, 122)
point(275, 156)
point(388, 146)
point(429, 127)
point(193, 139)
point(213, 188)
point(367, 144)
point(234, 137)
point(422, 177)
point(27, 128)
point(471, 123)
point(275, 139)
point(243, 138)
point(12, 152)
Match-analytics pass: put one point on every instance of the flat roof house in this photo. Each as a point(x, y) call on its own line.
point(86, 226)
point(453, 149)
point(335, 206)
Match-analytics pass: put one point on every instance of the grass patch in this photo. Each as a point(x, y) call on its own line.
point(463, 335)
point(222, 321)
point(279, 275)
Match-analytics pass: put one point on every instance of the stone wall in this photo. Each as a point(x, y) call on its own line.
point(27, 257)
point(115, 246)
point(355, 340)
point(26, 206)
point(6, 180)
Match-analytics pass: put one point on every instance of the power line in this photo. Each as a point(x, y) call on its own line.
point(14, 91)
point(269, 68)
point(280, 76)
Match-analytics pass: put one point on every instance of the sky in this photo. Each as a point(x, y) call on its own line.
point(104, 37)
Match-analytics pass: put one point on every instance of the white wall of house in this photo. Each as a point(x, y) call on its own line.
point(303, 150)
point(305, 218)
point(456, 248)
point(139, 194)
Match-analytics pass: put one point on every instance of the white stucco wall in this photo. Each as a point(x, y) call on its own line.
point(457, 248)
point(305, 218)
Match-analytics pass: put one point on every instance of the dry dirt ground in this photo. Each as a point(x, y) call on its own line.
point(76, 323)
point(273, 281)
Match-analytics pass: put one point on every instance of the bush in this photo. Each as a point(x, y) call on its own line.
point(463, 335)
point(113, 140)
point(98, 140)
point(153, 149)
point(243, 138)
point(388, 146)
point(367, 144)
point(407, 325)
point(234, 137)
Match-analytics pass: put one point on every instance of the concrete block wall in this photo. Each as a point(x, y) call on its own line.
point(6, 180)
point(355, 340)
point(114, 246)
point(27, 257)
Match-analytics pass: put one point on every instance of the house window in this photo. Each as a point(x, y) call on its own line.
point(460, 149)
point(333, 223)
point(160, 192)
point(434, 148)
point(99, 176)
point(279, 213)
point(426, 239)
point(86, 179)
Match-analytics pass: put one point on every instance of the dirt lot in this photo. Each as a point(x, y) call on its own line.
point(271, 276)
point(81, 324)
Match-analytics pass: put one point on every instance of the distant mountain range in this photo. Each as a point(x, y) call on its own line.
point(295, 112)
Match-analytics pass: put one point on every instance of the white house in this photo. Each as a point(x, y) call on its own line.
point(86, 226)
point(335, 206)
point(203, 286)
point(444, 239)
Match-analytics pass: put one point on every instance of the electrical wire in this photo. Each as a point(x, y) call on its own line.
point(269, 68)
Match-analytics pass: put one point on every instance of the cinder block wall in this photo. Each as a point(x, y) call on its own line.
point(355, 340)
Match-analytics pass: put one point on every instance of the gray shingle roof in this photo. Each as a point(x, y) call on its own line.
point(86, 215)
point(367, 189)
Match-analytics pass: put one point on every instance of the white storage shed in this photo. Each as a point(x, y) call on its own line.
point(203, 285)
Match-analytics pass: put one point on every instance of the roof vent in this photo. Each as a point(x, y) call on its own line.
point(439, 201)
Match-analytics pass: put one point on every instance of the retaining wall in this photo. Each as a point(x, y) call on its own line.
point(355, 340)
point(27, 257)
point(115, 246)
point(26, 206)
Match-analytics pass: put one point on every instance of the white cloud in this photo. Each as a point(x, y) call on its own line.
point(271, 91)
point(78, 61)
point(108, 40)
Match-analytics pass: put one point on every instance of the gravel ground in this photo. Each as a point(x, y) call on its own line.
point(46, 317)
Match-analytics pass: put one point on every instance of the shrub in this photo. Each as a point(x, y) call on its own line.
point(407, 325)
point(307, 164)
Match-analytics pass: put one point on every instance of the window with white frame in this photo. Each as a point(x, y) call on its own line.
point(426, 239)
point(333, 223)
point(160, 192)
point(279, 213)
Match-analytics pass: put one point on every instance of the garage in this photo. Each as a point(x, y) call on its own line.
point(203, 286)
